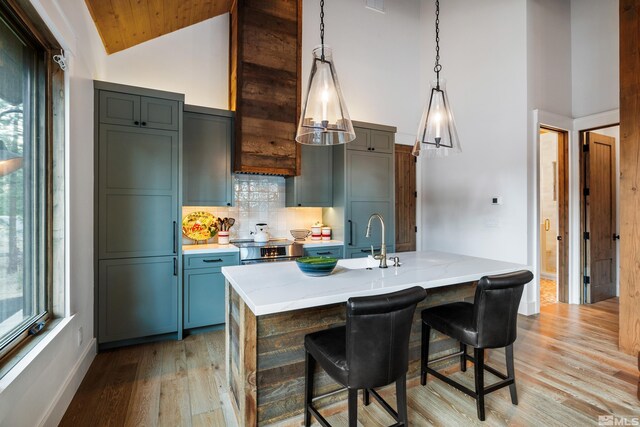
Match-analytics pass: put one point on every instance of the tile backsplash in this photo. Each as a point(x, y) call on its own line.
point(259, 198)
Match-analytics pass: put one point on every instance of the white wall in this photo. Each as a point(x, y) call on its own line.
point(376, 57)
point(193, 61)
point(39, 389)
point(594, 56)
point(549, 55)
point(483, 50)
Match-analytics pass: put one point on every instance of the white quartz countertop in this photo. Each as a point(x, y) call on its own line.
point(208, 249)
point(270, 288)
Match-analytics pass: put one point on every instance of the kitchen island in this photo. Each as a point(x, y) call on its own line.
point(270, 307)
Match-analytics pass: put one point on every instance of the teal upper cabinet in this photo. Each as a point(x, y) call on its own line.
point(127, 109)
point(313, 188)
point(372, 138)
point(207, 145)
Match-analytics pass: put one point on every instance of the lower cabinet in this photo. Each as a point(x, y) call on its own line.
point(332, 251)
point(138, 297)
point(204, 288)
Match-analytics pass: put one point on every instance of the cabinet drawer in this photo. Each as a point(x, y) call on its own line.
point(334, 252)
point(211, 260)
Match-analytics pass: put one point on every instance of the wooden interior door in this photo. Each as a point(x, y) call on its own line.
point(600, 213)
point(405, 199)
point(563, 217)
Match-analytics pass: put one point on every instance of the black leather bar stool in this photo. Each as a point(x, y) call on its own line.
point(490, 322)
point(371, 351)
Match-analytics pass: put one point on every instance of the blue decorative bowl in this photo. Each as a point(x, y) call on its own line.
point(316, 265)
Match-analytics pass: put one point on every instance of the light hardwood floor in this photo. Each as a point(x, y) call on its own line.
point(548, 292)
point(568, 371)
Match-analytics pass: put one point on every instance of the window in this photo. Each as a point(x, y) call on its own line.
point(24, 170)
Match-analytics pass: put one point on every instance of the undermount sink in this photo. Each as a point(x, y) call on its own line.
point(359, 263)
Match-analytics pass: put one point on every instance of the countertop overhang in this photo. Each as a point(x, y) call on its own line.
point(269, 288)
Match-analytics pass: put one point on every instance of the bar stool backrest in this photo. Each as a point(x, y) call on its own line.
point(377, 333)
point(496, 308)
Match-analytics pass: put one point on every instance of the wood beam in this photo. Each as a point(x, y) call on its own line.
point(630, 176)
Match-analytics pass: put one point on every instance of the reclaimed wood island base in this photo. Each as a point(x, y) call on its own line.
point(266, 323)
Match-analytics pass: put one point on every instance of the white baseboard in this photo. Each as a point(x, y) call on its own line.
point(64, 396)
point(548, 276)
point(527, 308)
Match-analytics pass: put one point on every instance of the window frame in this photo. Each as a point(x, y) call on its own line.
point(28, 25)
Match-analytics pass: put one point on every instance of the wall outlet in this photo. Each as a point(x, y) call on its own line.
point(496, 200)
point(79, 336)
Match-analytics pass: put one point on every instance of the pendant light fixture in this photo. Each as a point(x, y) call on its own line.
point(324, 119)
point(437, 135)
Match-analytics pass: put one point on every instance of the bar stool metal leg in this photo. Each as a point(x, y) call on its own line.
point(478, 354)
point(309, 365)
point(365, 397)
point(511, 373)
point(463, 357)
point(353, 407)
point(424, 360)
point(401, 394)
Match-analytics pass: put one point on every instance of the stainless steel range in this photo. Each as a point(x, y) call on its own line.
point(271, 251)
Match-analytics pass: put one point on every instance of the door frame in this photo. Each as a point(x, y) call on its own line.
point(563, 209)
point(583, 124)
point(582, 140)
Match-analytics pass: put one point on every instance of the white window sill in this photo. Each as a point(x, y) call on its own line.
point(38, 348)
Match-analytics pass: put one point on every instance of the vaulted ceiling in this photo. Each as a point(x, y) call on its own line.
point(125, 23)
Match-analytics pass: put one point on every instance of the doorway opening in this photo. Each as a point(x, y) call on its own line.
point(406, 194)
point(554, 227)
point(599, 207)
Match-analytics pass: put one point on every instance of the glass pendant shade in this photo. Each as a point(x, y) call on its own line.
point(324, 119)
point(9, 162)
point(437, 135)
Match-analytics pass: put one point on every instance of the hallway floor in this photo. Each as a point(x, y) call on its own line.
point(548, 292)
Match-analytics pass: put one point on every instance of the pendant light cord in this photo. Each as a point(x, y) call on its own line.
point(322, 27)
point(437, 67)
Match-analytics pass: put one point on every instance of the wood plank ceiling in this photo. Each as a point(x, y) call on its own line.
point(125, 23)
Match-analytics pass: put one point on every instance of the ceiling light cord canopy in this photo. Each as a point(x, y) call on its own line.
point(324, 119)
point(437, 135)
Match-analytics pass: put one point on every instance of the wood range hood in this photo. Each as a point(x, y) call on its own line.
point(264, 84)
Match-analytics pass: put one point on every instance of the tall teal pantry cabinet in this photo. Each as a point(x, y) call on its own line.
point(363, 184)
point(138, 139)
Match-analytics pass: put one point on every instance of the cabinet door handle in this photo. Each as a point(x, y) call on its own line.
point(175, 266)
point(325, 253)
point(144, 123)
point(350, 232)
point(136, 123)
point(175, 237)
point(368, 251)
point(208, 261)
